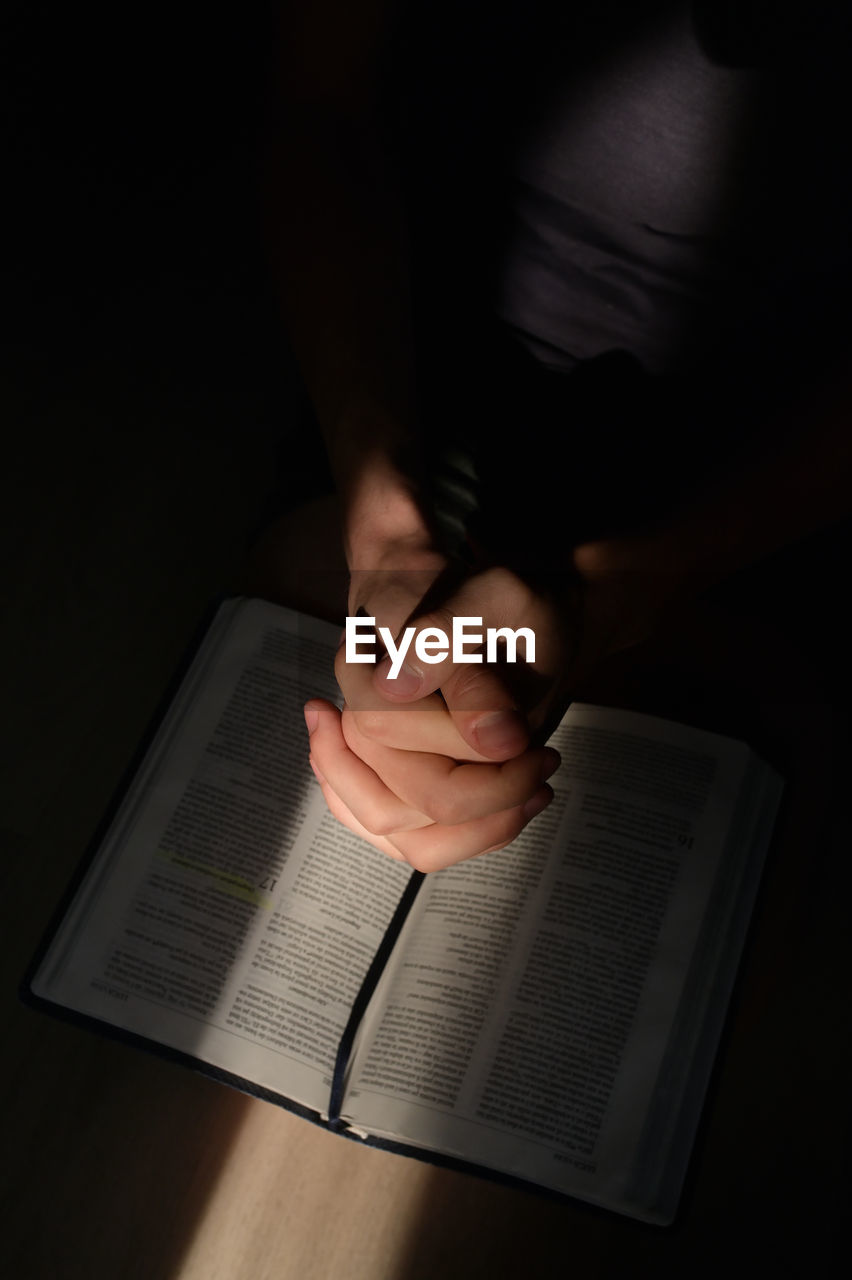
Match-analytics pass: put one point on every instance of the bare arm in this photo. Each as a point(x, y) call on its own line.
point(798, 484)
point(342, 254)
point(337, 227)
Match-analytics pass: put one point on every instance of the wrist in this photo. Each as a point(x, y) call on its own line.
point(381, 511)
point(375, 462)
point(668, 557)
point(630, 585)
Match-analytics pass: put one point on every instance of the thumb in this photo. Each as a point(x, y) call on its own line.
point(380, 603)
point(468, 649)
point(390, 596)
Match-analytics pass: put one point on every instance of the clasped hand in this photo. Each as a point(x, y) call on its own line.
point(440, 764)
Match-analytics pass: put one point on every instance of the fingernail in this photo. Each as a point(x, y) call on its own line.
point(552, 761)
point(536, 804)
point(320, 777)
point(405, 683)
point(499, 731)
point(311, 717)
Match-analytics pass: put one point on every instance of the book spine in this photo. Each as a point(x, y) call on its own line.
point(365, 995)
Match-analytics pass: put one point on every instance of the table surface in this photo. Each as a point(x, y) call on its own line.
point(117, 1164)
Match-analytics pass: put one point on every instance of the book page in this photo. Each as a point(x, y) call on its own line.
point(527, 1012)
point(228, 915)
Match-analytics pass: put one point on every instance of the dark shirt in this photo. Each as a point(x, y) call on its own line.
point(666, 177)
point(655, 193)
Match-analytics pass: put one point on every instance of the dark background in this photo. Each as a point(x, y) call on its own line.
point(139, 297)
point(152, 422)
point(136, 276)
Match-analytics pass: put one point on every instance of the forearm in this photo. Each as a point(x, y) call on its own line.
point(339, 246)
point(338, 233)
point(798, 483)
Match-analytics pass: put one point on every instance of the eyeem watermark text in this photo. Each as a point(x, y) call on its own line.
point(432, 645)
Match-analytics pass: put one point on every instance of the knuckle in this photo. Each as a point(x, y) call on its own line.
point(379, 817)
point(515, 595)
point(371, 724)
point(468, 684)
point(423, 860)
point(379, 823)
point(445, 808)
point(420, 850)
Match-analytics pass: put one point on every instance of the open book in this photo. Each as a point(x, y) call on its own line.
point(549, 1012)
